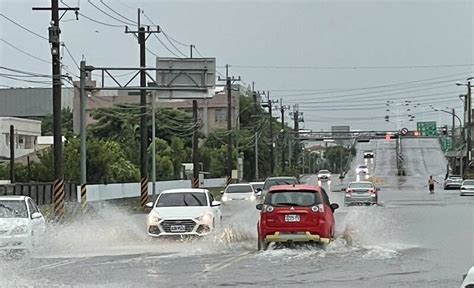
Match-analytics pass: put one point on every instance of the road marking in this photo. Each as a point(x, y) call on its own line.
point(59, 264)
point(226, 263)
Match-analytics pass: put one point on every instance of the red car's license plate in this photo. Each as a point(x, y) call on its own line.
point(292, 218)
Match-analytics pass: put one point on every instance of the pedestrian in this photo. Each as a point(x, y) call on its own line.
point(431, 183)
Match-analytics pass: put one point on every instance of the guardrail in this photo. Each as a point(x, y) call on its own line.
point(41, 193)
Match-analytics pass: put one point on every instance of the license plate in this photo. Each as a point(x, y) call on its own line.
point(177, 228)
point(292, 218)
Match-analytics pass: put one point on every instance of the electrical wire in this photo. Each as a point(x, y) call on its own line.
point(351, 67)
point(24, 28)
point(117, 13)
point(158, 38)
point(24, 80)
point(115, 18)
point(24, 72)
point(172, 44)
point(24, 52)
point(94, 20)
point(70, 55)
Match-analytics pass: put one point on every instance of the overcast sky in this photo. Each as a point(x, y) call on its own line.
point(297, 50)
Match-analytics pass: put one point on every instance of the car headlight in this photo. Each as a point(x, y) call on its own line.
point(253, 198)
point(153, 218)
point(23, 229)
point(225, 198)
point(207, 218)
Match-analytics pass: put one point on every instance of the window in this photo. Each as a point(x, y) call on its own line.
point(292, 198)
point(220, 115)
point(13, 209)
point(32, 206)
point(182, 199)
point(239, 189)
point(211, 198)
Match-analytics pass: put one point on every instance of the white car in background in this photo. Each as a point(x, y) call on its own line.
point(362, 169)
point(239, 192)
point(467, 188)
point(189, 211)
point(21, 222)
point(324, 175)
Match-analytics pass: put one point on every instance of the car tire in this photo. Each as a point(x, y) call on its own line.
point(261, 245)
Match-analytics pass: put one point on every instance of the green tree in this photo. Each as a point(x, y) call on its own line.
point(67, 123)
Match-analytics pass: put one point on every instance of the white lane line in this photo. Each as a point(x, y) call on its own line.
point(59, 264)
point(226, 263)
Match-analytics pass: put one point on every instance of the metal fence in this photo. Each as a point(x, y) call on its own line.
point(41, 193)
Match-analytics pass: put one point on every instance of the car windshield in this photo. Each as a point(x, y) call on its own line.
point(182, 199)
point(13, 209)
point(323, 172)
point(257, 186)
point(362, 166)
point(469, 182)
point(305, 179)
point(239, 189)
point(455, 177)
point(293, 198)
point(278, 181)
point(360, 185)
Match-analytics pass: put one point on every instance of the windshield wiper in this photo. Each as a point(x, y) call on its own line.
point(197, 199)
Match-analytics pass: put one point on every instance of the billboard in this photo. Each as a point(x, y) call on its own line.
point(185, 78)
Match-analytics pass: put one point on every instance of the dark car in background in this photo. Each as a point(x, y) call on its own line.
point(275, 181)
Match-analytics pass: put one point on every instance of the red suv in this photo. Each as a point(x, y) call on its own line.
point(295, 213)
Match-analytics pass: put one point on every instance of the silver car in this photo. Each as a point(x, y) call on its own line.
point(361, 193)
point(467, 188)
point(453, 182)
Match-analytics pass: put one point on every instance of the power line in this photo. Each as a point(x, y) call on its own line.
point(24, 28)
point(115, 18)
point(24, 80)
point(117, 13)
point(351, 67)
point(158, 38)
point(197, 51)
point(369, 87)
point(70, 55)
point(24, 52)
point(94, 20)
point(24, 72)
point(172, 44)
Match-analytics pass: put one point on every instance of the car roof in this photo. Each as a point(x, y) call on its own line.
point(183, 190)
point(295, 188)
point(454, 176)
point(15, 198)
point(239, 184)
point(280, 177)
point(259, 183)
point(364, 182)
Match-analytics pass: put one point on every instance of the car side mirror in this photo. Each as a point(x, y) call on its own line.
point(343, 189)
point(259, 206)
point(259, 193)
point(215, 203)
point(222, 192)
point(149, 204)
point(377, 189)
point(36, 215)
point(259, 190)
point(334, 206)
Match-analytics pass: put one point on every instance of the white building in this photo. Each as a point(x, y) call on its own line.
point(26, 136)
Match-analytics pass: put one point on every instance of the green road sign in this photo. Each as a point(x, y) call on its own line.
point(427, 128)
point(447, 144)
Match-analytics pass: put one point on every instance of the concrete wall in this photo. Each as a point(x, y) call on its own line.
point(101, 192)
point(26, 134)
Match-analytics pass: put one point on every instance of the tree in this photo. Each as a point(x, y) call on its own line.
point(67, 123)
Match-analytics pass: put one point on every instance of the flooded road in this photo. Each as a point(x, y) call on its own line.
point(412, 240)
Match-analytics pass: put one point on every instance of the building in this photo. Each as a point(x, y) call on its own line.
point(212, 111)
point(31, 102)
point(26, 135)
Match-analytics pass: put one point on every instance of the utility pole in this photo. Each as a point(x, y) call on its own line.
point(191, 50)
point(269, 103)
point(195, 146)
point(469, 121)
point(54, 39)
point(12, 154)
point(153, 145)
point(140, 34)
point(83, 136)
point(296, 120)
point(228, 82)
point(283, 154)
point(453, 111)
point(255, 132)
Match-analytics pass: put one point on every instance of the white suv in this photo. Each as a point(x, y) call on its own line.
point(187, 211)
point(21, 223)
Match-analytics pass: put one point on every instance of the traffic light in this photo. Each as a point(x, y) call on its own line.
point(444, 130)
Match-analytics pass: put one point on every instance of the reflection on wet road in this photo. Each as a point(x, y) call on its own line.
point(413, 240)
